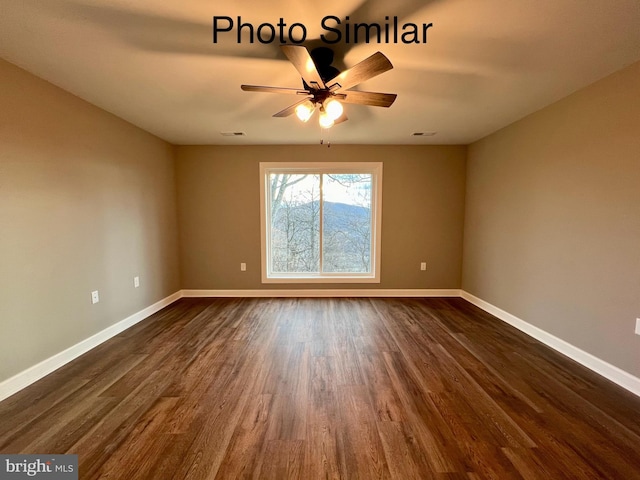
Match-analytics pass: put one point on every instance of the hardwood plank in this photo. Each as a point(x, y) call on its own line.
point(363, 453)
point(246, 450)
point(404, 454)
point(283, 459)
point(323, 457)
point(432, 431)
point(144, 442)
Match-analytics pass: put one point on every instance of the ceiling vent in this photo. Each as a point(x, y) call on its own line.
point(423, 134)
point(233, 134)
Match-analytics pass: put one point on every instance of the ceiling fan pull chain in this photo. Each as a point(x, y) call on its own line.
point(327, 132)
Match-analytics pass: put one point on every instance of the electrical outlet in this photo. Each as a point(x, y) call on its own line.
point(95, 296)
point(243, 267)
point(637, 326)
point(423, 266)
point(136, 282)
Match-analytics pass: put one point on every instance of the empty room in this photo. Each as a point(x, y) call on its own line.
point(338, 240)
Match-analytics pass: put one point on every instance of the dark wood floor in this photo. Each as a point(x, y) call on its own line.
point(327, 388)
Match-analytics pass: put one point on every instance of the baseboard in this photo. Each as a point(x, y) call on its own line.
point(342, 293)
point(611, 372)
point(27, 377)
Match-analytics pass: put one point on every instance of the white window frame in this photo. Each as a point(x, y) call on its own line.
point(373, 168)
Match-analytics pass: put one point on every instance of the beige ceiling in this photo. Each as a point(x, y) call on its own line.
point(153, 63)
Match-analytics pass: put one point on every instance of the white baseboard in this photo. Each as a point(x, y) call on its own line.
point(30, 375)
point(27, 377)
point(611, 372)
point(342, 293)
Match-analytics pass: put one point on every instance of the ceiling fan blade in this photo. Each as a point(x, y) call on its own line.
point(374, 99)
point(260, 88)
point(290, 109)
point(300, 58)
point(366, 69)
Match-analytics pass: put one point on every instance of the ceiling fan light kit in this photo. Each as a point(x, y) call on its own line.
point(325, 119)
point(305, 110)
point(333, 108)
point(325, 86)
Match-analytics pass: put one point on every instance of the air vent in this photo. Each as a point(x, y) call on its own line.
point(423, 134)
point(233, 134)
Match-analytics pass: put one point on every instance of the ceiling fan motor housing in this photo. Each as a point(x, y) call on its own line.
point(323, 58)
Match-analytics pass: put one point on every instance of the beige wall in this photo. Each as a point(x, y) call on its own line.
point(219, 212)
point(552, 230)
point(87, 201)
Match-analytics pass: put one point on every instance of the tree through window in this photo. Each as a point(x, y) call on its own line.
point(321, 222)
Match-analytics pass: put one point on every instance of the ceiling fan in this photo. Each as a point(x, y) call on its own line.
point(325, 88)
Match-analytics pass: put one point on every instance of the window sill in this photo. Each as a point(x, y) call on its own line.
point(321, 279)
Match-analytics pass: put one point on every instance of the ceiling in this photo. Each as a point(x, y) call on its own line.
point(485, 65)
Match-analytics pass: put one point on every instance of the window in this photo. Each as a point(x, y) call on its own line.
point(320, 222)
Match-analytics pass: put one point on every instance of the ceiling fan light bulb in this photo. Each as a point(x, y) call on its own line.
point(304, 111)
point(325, 120)
point(333, 108)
